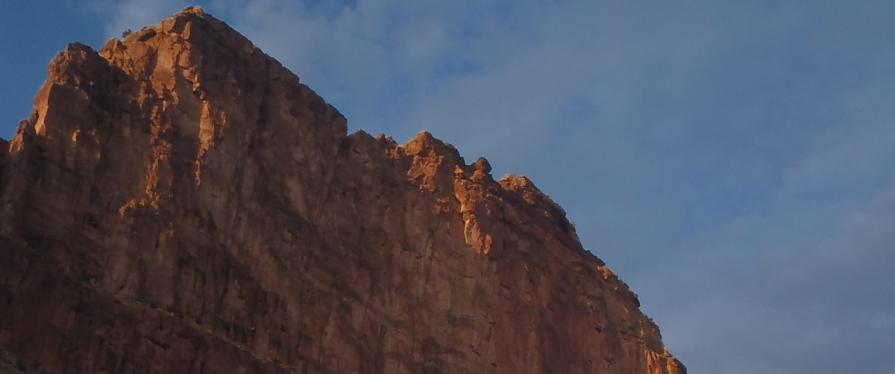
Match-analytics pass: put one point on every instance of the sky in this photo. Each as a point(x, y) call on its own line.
point(730, 160)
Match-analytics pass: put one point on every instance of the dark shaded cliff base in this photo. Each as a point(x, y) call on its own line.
point(179, 203)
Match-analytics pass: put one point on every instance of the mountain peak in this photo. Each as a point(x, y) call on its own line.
point(192, 35)
point(194, 9)
point(180, 202)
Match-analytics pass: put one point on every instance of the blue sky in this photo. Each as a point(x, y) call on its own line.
point(730, 160)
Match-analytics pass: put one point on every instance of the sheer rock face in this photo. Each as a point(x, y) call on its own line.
point(179, 202)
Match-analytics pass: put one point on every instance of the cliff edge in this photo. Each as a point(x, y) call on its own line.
point(179, 202)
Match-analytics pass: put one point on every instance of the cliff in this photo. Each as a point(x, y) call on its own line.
point(179, 202)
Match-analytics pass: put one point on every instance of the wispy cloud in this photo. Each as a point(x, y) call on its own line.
point(730, 160)
point(125, 15)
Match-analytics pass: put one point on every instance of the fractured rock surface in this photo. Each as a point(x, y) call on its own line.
point(179, 203)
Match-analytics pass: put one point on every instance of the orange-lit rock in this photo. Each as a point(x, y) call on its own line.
point(180, 203)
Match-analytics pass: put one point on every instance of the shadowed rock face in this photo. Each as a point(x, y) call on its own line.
point(178, 202)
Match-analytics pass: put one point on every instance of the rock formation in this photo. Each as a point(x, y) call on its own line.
point(179, 203)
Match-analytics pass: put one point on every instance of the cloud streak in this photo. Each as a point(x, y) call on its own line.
point(731, 161)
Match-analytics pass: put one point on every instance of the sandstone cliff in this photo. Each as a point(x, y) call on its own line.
point(179, 203)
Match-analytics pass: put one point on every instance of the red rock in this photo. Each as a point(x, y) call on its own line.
point(179, 202)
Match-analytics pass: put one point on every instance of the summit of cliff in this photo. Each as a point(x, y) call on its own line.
point(178, 201)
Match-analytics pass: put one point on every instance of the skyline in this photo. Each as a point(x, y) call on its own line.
point(727, 160)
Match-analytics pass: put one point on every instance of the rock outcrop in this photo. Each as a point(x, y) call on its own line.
point(180, 203)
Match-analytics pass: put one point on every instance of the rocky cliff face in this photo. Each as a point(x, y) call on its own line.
point(178, 202)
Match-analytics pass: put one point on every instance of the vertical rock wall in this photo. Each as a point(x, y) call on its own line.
point(179, 202)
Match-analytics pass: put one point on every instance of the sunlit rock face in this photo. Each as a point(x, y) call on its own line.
point(179, 203)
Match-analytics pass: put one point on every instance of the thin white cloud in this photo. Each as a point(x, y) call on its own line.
point(731, 161)
point(133, 14)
